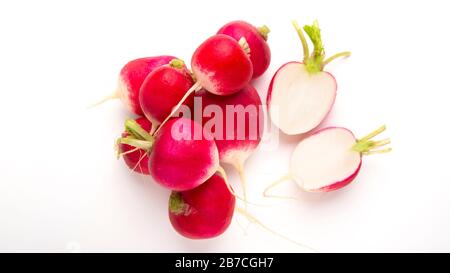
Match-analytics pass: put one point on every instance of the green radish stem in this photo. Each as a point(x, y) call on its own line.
point(138, 137)
point(315, 62)
point(367, 146)
point(264, 31)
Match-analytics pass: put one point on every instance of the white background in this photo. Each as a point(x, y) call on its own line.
point(62, 189)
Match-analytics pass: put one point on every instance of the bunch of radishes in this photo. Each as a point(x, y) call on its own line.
point(183, 154)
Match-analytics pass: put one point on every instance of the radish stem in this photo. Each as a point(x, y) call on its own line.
point(366, 146)
point(344, 54)
point(134, 129)
point(264, 31)
point(141, 144)
point(303, 40)
point(315, 62)
point(244, 45)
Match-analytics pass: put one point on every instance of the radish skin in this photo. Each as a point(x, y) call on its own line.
point(301, 94)
point(162, 90)
point(330, 159)
point(131, 77)
point(235, 144)
point(183, 164)
point(221, 66)
point(181, 156)
point(203, 212)
point(257, 42)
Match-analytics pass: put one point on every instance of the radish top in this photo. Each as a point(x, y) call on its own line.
point(315, 62)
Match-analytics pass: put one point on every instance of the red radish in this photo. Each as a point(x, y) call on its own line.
point(236, 122)
point(181, 156)
point(204, 212)
point(256, 39)
point(163, 89)
point(131, 78)
point(330, 159)
point(221, 65)
point(136, 159)
point(301, 95)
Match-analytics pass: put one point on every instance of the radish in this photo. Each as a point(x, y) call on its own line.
point(131, 77)
point(236, 123)
point(330, 159)
point(256, 39)
point(204, 212)
point(136, 159)
point(181, 155)
point(221, 65)
point(301, 95)
point(163, 89)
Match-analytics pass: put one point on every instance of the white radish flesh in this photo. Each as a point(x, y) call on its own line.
point(300, 100)
point(330, 159)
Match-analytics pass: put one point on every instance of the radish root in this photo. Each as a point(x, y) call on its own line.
point(225, 177)
point(253, 219)
point(113, 96)
point(276, 183)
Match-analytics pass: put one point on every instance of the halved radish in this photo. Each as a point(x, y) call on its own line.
point(301, 95)
point(330, 159)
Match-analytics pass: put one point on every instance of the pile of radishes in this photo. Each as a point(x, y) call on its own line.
point(182, 151)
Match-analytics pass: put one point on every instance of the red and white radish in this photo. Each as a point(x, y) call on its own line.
point(236, 123)
point(330, 159)
point(131, 77)
point(301, 95)
point(135, 158)
point(204, 212)
point(181, 155)
point(256, 39)
point(221, 65)
point(163, 89)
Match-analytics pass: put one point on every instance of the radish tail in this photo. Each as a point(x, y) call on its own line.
point(193, 88)
point(224, 175)
point(276, 183)
point(253, 219)
point(240, 170)
point(113, 96)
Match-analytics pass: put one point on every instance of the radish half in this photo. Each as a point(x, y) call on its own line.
point(330, 159)
point(301, 94)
